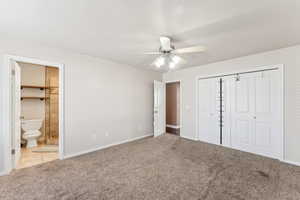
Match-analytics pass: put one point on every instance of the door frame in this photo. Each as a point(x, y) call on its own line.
point(16, 102)
point(7, 106)
point(281, 70)
point(180, 99)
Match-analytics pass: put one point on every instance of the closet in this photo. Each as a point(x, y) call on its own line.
point(243, 111)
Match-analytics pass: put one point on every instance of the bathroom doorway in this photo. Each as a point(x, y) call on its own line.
point(39, 114)
point(173, 102)
point(36, 123)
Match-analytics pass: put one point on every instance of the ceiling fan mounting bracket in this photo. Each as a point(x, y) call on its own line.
point(166, 51)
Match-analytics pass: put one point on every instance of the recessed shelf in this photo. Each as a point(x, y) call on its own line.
point(41, 98)
point(34, 87)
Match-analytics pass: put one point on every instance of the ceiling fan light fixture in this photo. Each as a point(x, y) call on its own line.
point(160, 61)
point(175, 59)
point(172, 65)
point(170, 56)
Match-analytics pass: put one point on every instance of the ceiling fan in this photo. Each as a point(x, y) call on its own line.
point(169, 54)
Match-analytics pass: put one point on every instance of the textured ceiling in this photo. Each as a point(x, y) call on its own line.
point(120, 30)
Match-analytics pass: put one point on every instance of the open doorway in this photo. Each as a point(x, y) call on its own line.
point(34, 117)
point(173, 107)
point(39, 114)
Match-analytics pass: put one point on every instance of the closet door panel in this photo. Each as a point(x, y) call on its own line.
point(242, 88)
point(243, 129)
point(267, 128)
point(242, 106)
point(208, 111)
point(255, 114)
point(262, 134)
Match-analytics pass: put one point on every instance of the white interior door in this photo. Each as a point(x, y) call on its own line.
point(242, 112)
point(267, 125)
point(208, 110)
point(16, 128)
point(159, 108)
point(256, 113)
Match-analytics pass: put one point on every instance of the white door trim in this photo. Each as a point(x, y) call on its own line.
point(7, 103)
point(180, 90)
point(16, 112)
point(281, 70)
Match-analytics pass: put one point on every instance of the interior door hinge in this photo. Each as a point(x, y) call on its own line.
point(13, 72)
point(13, 151)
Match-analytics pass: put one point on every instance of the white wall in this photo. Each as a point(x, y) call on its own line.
point(100, 96)
point(290, 57)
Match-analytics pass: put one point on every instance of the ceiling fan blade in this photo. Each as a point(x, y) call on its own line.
point(165, 43)
point(152, 53)
point(182, 60)
point(194, 49)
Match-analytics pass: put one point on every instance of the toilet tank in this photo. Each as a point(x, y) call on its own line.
point(32, 124)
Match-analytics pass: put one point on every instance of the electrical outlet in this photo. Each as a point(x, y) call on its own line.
point(94, 136)
point(106, 133)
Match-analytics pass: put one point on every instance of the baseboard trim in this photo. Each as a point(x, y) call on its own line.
point(173, 126)
point(189, 138)
point(105, 146)
point(3, 173)
point(291, 162)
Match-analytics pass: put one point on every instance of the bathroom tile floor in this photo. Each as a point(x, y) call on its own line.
point(30, 158)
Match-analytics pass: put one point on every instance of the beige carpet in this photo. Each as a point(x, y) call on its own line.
point(166, 167)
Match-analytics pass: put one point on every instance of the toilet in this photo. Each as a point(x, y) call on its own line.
point(31, 131)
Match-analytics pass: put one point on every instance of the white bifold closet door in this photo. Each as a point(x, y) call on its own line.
point(252, 112)
point(256, 125)
point(212, 101)
point(208, 124)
